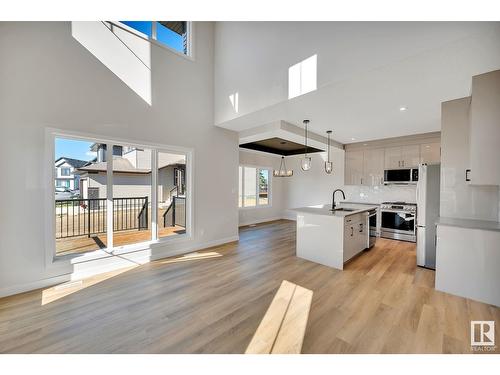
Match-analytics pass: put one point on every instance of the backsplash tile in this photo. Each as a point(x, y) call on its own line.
point(379, 194)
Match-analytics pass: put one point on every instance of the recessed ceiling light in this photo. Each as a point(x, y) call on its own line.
point(402, 109)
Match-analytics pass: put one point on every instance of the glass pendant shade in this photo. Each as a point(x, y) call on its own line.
point(283, 172)
point(328, 167)
point(305, 163)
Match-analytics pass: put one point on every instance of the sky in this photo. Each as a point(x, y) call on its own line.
point(73, 149)
point(163, 34)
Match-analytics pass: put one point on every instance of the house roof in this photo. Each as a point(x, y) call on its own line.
point(75, 163)
point(119, 165)
point(123, 165)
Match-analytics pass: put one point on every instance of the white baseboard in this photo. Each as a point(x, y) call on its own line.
point(102, 265)
point(44, 283)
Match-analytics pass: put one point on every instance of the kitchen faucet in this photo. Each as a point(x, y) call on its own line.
point(333, 197)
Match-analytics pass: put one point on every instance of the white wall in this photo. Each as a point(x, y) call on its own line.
point(49, 80)
point(252, 58)
point(278, 191)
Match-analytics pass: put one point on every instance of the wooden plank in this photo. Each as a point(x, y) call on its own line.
point(293, 328)
point(265, 336)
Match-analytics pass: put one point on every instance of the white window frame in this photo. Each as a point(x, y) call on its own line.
point(242, 182)
point(189, 38)
point(64, 169)
point(54, 261)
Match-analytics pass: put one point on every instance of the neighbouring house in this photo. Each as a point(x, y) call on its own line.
point(132, 174)
point(65, 175)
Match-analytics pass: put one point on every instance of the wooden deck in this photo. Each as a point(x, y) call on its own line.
point(214, 303)
point(82, 244)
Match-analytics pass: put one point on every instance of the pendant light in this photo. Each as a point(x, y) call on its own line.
point(328, 163)
point(283, 172)
point(305, 163)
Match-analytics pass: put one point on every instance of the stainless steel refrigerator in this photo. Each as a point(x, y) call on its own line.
point(429, 177)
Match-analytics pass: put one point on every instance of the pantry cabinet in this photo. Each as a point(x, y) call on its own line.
point(485, 129)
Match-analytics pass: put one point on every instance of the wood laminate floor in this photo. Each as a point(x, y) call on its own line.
point(380, 303)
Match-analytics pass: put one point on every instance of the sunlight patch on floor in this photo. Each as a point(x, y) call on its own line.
point(282, 329)
point(191, 256)
point(65, 289)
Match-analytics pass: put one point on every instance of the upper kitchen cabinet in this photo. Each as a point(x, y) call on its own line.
point(485, 129)
point(393, 157)
point(402, 156)
point(353, 167)
point(430, 153)
point(373, 167)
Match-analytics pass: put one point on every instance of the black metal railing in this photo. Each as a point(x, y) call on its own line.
point(175, 213)
point(80, 217)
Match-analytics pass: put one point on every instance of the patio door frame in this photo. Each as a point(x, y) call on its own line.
point(60, 262)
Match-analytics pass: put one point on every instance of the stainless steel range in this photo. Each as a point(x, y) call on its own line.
point(399, 221)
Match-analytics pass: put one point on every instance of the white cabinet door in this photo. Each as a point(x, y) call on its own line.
point(349, 241)
point(373, 167)
point(353, 167)
point(430, 153)
point(485, 129)
point(410, 156)
point(393, 157)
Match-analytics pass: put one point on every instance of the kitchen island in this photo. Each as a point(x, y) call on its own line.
point(331, 237)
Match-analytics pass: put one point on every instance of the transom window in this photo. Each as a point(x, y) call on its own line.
point(173, 34)
point(254, 186)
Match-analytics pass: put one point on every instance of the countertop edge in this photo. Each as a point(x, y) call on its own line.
point(492, 226)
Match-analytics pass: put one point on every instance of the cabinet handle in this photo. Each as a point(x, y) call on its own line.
point(467, 177)
point(361, 228)
point(352, 231)
point(361, 180)
point(403, 163)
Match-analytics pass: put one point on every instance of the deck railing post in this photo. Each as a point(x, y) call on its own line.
point(88, 216)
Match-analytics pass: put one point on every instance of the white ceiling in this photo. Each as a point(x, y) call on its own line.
point(365, 103)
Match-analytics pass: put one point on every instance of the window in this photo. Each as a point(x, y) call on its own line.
point(173, 34)
point(142, 198)
point(254, 187)
point(302, 77)
point(65, 171)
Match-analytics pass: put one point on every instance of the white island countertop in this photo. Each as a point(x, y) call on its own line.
point(325, 209)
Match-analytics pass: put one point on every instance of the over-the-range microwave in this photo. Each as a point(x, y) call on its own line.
point(401, 176)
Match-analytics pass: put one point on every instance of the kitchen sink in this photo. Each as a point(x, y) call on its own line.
point(344, 209)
